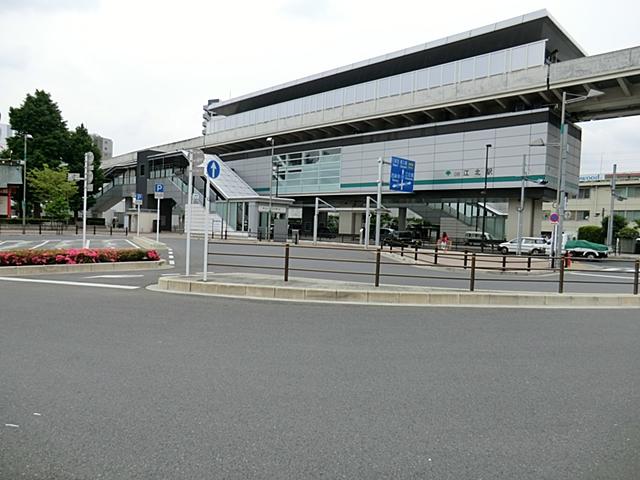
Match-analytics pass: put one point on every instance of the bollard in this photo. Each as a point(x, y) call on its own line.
point(529, 263)
point(126, 231)
point(377, 279)
point(76, 228)
point(636, 276)
point(466, 253)
point(40, 229)
point(561, 277)
point(435, 256)
point(286, 262)
point(111, 231)
point(504, 263)
point(472, 279)
point(416, 254)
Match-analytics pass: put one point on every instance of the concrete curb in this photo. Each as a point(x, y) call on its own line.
point(81, 268)
point(388, 297)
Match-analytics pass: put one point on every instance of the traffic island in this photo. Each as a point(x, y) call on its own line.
point(267, 287)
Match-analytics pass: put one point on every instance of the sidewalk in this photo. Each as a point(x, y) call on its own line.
point(269, 287)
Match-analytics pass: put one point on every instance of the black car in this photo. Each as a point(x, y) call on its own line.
point(405, 238)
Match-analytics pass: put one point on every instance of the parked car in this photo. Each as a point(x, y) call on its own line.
point(475, 238)
point(405, 238)
point(530, 246)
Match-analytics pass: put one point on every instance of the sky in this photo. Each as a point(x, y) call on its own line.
point(139, 71)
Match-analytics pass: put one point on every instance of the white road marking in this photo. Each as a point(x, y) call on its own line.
point(172, 262)
point(11, 425)
point(171, 257)
point(3, 242)
point(115, 276)
point(598, 275)
point(37, 414)
point(62, 282)
point(39, 245)
point(132, 244)
point(170, 274)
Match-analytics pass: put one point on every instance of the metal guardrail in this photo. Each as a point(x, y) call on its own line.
point(468, 261)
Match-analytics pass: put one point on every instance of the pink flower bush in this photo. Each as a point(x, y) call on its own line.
point(74, 256)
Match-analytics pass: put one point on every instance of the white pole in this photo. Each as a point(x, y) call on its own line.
point(84, 201)
point(367, 222)
point(189, 209)
point(315, 223)
point(521, 207)
point(611, 208)
point(138, 222)
point(561, 177)
point(378, 202)
point(205, 253)
point(158, 223)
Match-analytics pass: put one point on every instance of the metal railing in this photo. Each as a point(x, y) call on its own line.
point(289, 258)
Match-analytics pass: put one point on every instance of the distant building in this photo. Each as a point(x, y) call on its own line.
point(104, 144)
point(5, 132)
point(10, 181)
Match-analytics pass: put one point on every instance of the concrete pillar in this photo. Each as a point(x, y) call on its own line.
point(254, 218)
point(402, 218)
point(531, 218)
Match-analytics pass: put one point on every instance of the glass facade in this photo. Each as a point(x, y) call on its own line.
point(481, 66)
point(307, 172)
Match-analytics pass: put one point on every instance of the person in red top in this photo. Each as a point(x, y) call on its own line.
point(444, 241)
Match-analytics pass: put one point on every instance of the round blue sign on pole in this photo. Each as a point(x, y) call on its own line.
point(554, 217)
point(213, 169)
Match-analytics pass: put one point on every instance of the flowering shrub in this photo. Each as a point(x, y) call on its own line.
point(74, 256)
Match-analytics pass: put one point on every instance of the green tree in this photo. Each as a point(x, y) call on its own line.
point(591, 233)
point(51, 188)
point(619, 222)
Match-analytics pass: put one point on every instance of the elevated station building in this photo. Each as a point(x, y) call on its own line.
point(468, 109)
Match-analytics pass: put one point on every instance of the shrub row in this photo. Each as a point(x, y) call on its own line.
point(75, 255)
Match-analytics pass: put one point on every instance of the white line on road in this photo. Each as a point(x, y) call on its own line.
point(11, 425)
point(115, 276)
point(62, 282)
point(133, 244)
point(170, 274)
point(39, 245)
point(172, 262)
point(598, 275)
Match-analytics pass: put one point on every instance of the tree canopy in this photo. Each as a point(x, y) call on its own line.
point(52, 189)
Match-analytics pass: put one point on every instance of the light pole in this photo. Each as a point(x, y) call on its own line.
point(484, 206)
point(562, 167)
point(273, 142)
point(24, 183)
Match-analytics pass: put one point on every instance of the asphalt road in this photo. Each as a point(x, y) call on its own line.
point(139, 385)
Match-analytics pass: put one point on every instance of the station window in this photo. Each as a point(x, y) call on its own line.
point(584, 193)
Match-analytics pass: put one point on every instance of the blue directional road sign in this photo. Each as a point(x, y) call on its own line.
point(402, 174)
point(159, 188)
point(137, 199)
point(213, 169)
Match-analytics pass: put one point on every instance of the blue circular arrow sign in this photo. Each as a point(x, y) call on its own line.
point(213, 169)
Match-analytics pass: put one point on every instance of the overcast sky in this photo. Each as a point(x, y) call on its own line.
point(139, 71)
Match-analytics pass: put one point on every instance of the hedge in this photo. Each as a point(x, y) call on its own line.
point(75, 255)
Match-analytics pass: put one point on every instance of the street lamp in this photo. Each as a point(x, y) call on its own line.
point(24, 183)
point(272, 141)
point(560, 198)
point(484, 206)
point(525, 179)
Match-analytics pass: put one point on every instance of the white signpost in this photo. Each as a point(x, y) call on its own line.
point(88, 177)
point(137, 201)
point(158, 193)
point(212, 170)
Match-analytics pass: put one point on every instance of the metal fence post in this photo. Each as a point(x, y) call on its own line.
point(94, 229)
point(416, 254)
point(126, 231)
point(402, 250)
point(636, 275)
point(377, 279)
point(40, 229)
point(111, 230)
point(286, 262)
point(561, 277)
point(529, 263)
point(466, 254)
point(435, 256)
point(504, 263)
point(76, 228)
point(472, 280)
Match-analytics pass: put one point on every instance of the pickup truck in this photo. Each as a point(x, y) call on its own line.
point(585, 249)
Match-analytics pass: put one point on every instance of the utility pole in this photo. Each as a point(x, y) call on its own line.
point(611, 208)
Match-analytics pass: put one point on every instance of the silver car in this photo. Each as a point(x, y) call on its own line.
point(530, 246)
